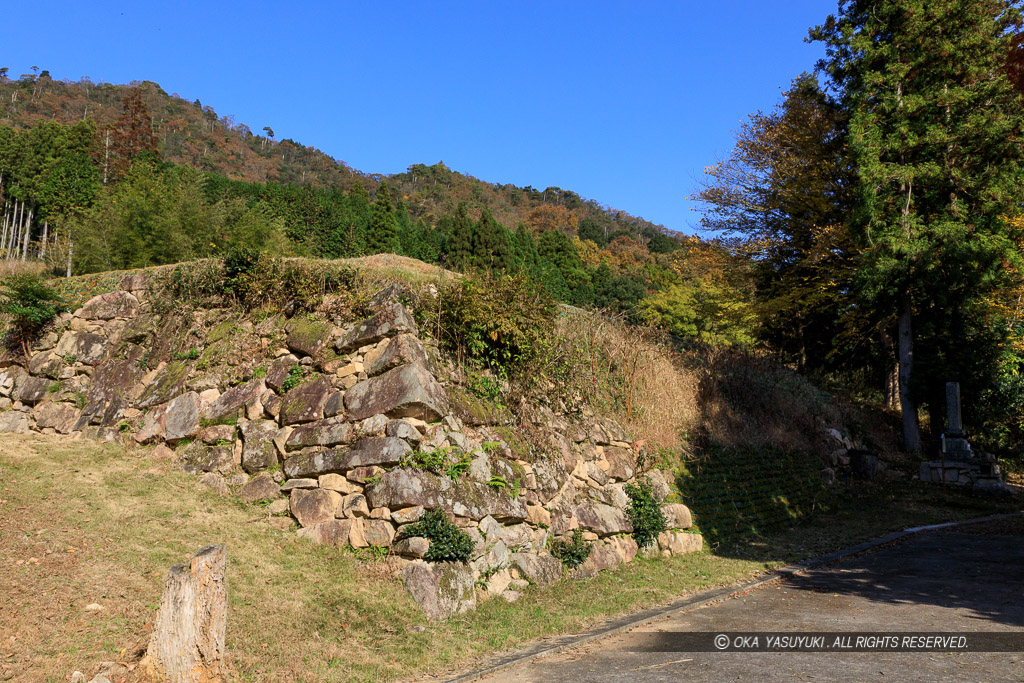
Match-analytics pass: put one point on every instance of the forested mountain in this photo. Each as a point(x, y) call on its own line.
point(192, 134)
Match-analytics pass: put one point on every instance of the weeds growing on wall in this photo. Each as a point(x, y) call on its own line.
point(496, 321)
point(573, 551)
point(253, 280)
point(644, 513)
point(448, 543)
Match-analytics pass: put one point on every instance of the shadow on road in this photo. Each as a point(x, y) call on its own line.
point(978, 572)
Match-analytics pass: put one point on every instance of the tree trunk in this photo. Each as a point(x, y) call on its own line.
point(908, 408)
point(46, 231)
point(891, 391)
point(28, 232)
point(187, 645)
point(71, 250)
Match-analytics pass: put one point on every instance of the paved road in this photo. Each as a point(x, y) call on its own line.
point(965, 580)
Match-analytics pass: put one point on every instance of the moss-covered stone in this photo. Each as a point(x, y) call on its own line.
point(306, 336)
point(168, 383)
point(476, 411)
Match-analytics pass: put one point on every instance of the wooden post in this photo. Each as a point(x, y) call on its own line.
point(187, 645)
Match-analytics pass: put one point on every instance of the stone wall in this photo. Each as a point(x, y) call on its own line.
point(324, 421)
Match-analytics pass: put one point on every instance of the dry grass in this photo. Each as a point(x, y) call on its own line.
point(8, 268)
point(632, 375)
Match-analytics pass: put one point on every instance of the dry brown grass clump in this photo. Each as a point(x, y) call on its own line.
point(632, 375)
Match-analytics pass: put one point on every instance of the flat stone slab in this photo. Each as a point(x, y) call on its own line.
point(329, 432)
point(406, 487)
point(407, 391)
point(393, 319)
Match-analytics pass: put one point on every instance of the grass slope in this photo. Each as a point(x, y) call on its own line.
point(85, 523)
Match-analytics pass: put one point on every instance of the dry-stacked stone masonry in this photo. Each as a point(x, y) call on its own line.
point(322, 420)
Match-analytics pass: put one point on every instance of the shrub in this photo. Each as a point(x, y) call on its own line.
point(500, 321)
point(30, 304)
point(573, 552)
point(448, 543)
point(240, 264)
point(644, 514)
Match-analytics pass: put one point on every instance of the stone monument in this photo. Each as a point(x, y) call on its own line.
point(958, 464)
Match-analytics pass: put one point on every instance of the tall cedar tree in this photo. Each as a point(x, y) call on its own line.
point(382, 233)
point(491, 247)
point(460, 243)
point(934, 133)
point(132, 134)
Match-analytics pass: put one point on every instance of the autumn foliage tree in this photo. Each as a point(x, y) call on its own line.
point(130, 136)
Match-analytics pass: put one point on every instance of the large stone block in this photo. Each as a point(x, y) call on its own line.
point(108, 306)
point(383, 451)
point(258, 450)
point(13, 421)
point(10, 379)
point(400, 350)
point(167, 384)
point(260, 487)
point(408, 391)
point(405, 487)
point(34, 389)
point(380, 451)
point(305, 403)
point(112, 381)
point(622, 462)
point(537, 568)
point(603, 556)
point(172, 421)
point(329, 432)
point(313, 506)
point(235, 400)
point(677, 516)
point(392, 319)
point(334, 532)
point(603, 520)
point(442, 589)
point(85, 347)
point(306, 336)
point(59, 416)
point(279, 371)
point(316, 464)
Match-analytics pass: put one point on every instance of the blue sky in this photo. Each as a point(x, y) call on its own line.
point(622, 102)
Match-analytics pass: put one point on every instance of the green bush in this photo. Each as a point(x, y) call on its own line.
point(500, 321)
point(448, 543)
point(240, 265)
point(573, 552)
point(30, 305)
point(644, 514)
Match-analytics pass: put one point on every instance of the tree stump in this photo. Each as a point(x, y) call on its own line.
point(187, 645)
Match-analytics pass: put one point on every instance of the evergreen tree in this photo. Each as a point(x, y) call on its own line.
point(382, 233)
point(460, 241)
point(934, 133)
point(526, 249)
point(491, 247)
